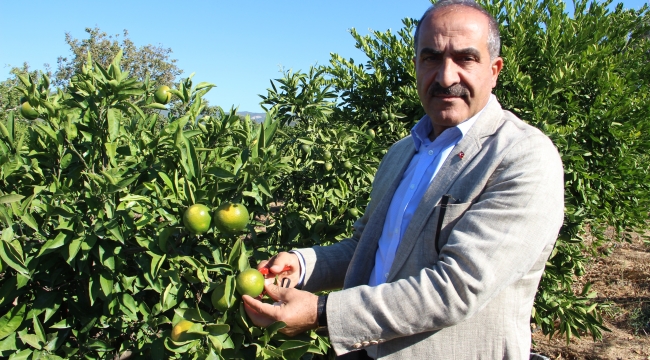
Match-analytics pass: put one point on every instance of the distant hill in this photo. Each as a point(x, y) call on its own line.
point(257, 117)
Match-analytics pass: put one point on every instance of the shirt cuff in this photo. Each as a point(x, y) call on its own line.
point(301, 260)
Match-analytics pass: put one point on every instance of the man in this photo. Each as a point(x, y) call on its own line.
point(463, 215)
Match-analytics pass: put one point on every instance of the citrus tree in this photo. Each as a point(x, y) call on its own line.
point(124, 225)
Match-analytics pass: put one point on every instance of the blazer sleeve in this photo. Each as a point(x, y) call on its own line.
point(494, 244)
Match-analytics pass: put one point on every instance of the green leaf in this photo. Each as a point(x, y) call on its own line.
point(38, 329)
point(63, 324)
point(13, 258)
point(294, 349)
point(220, 173)
point(111, 151)
point(203, 85)
point(217, 329)
point(235, 252)
point(12, 320)
point(99, 346)
point(195, 315)
point(6, 199)
point(9, 343)
point(137, 110)
point(113, 118)
point(48, 130)
point(157, 262)
point(106, 282)
point(156, 106)
point(66, 160)
point(180, 347)
point(127, 300)
point(23, 355)
point(29, 220)
point(264, 187)
point(56, 243)
point(168, 182)
point(114, 228)
point(73, 249)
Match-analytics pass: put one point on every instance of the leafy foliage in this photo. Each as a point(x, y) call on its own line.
point(95, 260)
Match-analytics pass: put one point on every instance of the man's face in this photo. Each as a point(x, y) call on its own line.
point(455, 74)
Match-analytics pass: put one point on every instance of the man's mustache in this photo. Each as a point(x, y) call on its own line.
point(454, 90)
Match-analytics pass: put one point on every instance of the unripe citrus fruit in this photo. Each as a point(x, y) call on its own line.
point(327, 166)
point(220, 298)
point(371, 133)
point(27, 111)
point(231, 218)
point(353, 212)
point(384, 115)
point(197, 219)
point(250, 282)
point(327, 155)
point(347, 164)
point(162, 94)
point(305, 148)
point(179, 330)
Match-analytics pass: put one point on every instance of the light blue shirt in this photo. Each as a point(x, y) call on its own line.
point(427, 160)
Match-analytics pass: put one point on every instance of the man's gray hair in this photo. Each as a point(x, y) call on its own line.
point(494, 37)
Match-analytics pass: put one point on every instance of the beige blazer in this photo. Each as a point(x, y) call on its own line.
point(473, 299)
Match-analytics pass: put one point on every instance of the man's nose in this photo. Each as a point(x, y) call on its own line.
point(447, 74)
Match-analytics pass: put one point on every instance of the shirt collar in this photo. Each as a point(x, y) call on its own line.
point(420, 132)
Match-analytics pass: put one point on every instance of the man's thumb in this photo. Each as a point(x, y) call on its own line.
point(274, 292)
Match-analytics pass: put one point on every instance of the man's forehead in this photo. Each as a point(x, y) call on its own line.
point(462, 22)
point(458, 16)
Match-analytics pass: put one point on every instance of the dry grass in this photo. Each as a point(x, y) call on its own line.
point(621, 280)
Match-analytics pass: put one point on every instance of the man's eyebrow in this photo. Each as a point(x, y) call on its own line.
point(466, 51)
point(430, 51)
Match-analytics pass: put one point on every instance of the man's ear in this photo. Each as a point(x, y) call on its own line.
point(497, 65)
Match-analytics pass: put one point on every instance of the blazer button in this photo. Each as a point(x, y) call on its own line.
point(374, 342)
point(365, 343)
point(357, 345)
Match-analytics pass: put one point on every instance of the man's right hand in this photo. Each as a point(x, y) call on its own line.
point(277, 265)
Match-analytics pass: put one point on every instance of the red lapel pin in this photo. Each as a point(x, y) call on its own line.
point(461, 155)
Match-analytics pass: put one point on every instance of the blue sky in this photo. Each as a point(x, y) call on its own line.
point(237, 45)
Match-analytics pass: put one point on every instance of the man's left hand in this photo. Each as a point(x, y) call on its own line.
point(296, 308)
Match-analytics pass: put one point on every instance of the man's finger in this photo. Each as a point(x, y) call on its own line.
point(260, 313)
point(275, 292)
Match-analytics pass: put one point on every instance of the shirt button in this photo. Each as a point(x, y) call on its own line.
point(386, 275)
point(430, 152)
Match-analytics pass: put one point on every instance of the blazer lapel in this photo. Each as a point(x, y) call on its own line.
point(363, 260)
point(469, 146)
